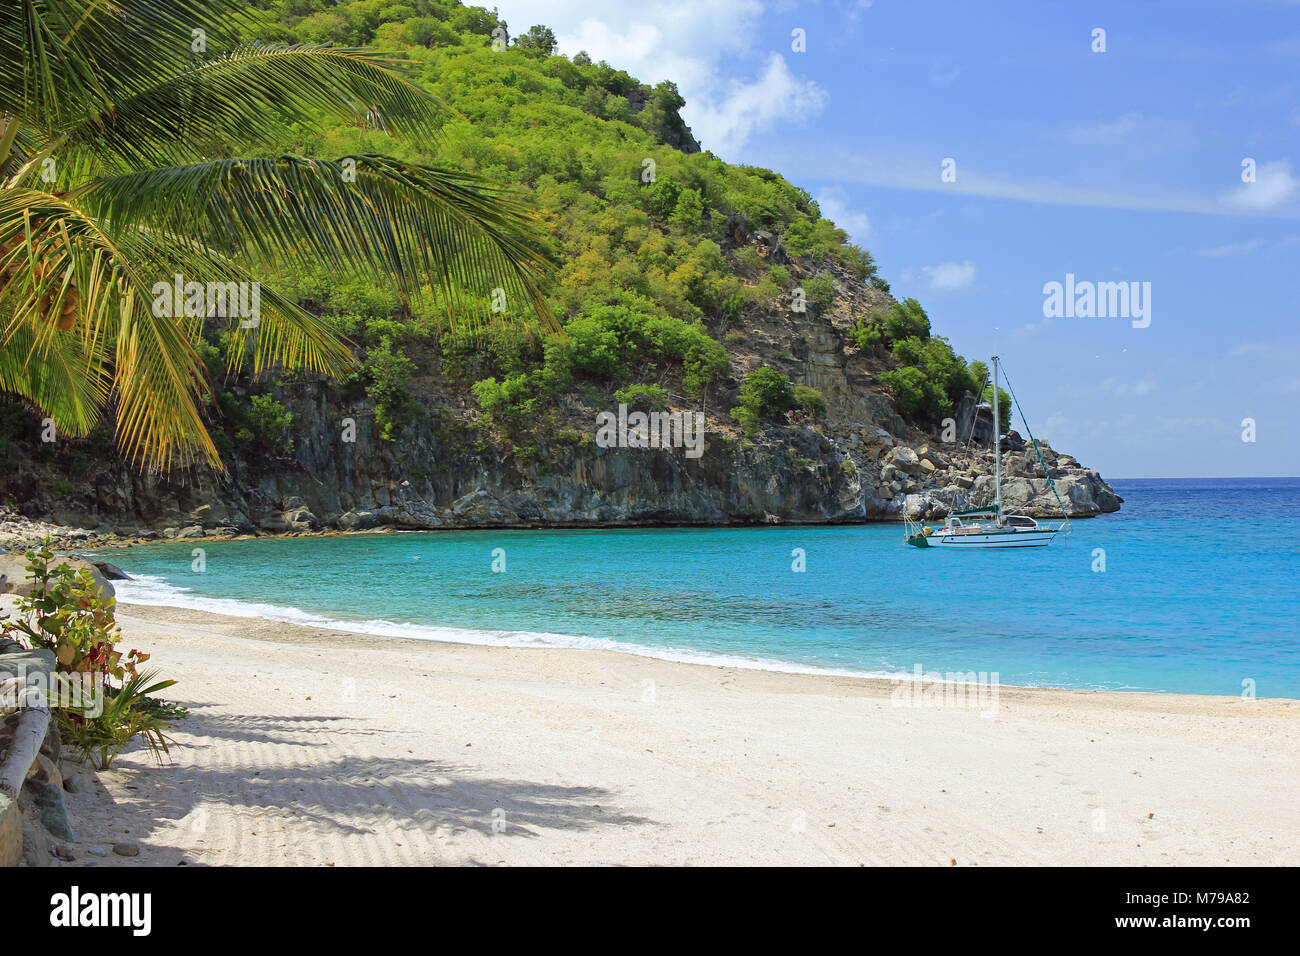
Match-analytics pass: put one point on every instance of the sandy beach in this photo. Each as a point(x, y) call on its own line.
point(314, 747)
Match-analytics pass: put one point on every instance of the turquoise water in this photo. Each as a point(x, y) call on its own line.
point(1198, 593)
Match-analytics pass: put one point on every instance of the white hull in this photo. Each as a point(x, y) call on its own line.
point(1029, 538)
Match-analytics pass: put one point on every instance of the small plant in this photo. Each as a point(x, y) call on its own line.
point(779, 275)
point(820, 292)
point(766, 395)
point(387, 370)
point(810, 400)
point(866, 335)
point(569, 436)
point(645, 398)
point(68, 614)
point(129, 712)
point(269, 423)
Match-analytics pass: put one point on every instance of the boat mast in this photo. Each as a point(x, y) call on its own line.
point(997, 444)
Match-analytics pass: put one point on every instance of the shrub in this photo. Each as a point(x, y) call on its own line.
point(268, 425)
point(765, 395)
point(516, 403)
point(610, 340)
point(688, 213)
point(810, 400)
point(865, 335)
point(820, 292)
point(906, 320)
point(68, 615)
point(643, 397)
point(910, 389)
point(509, 402)
point(778, 274)
point(387, 371)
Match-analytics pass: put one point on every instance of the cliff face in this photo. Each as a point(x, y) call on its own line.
point(859, 462)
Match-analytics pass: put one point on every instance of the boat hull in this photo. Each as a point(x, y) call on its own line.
point(1032, 538)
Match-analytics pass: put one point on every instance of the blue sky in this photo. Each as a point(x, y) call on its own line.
point(1116, 166)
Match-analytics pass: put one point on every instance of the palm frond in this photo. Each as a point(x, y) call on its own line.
point(68, 382)
point(435, 231)
point(63, 59)
point(105, 86)
point(246, 96)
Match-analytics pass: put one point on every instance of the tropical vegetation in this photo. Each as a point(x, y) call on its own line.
point(110, 701)
point(141, 145)
point(475, 141)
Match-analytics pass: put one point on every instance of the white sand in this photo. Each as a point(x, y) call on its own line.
point(316, 747)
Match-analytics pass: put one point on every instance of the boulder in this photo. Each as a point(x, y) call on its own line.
point(46, 771)
point(14, 578)
point(300, 520)
point(357, 520)
point(906, 460)
point(47, 801)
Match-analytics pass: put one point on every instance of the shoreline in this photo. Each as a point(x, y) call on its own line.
point(877, 683)
point(307, 746)
point(72, 540)
point(670, 655)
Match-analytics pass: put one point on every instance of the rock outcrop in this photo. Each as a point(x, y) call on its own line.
point(860, 461)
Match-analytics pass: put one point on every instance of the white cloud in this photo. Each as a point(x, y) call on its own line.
point(944, 277)
point(1231, 249)
point(1274, 184)
point(724, 123)
point(691, 44)
point(834, 205)
point(900, 171)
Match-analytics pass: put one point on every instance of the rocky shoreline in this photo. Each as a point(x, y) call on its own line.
point(869, 477)
point(857, 460)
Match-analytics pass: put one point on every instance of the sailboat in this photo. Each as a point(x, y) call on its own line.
point(989, 527)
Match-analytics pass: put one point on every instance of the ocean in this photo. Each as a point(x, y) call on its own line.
point(1190, 588)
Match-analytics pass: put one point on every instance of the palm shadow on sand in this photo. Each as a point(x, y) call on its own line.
point(331, 792)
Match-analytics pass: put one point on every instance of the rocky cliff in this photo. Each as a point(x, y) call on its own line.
point(860, 461)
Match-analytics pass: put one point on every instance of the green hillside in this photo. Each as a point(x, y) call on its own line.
point(645, 280)
point(675, 280)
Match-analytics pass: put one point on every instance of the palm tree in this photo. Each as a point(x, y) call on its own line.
point(114, 123)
